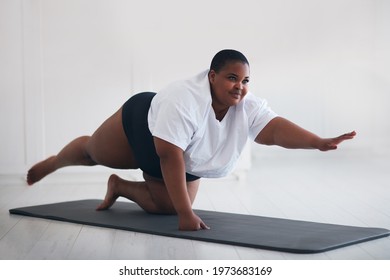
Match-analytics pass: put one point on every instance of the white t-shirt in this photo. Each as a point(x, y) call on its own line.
point(182, 114)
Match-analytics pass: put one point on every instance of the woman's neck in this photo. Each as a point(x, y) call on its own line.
point(220, 111)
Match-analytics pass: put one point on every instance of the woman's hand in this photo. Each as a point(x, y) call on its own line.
point(326, 144)
point(191, 222)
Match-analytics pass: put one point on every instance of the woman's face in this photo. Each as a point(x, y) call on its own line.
point(230, 85)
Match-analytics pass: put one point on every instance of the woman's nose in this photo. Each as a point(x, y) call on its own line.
point(239, 85)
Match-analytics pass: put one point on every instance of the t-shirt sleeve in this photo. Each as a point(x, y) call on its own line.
point(260, 115)
point(171, 121)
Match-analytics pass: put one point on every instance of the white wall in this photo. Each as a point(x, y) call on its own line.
point(66, 65)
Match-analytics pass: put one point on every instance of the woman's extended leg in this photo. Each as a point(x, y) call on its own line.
point(108, 146)
point(151, 195)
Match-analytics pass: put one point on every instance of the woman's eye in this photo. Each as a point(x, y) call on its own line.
point(234, 79)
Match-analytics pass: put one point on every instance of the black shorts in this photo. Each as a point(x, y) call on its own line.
point(135, 123)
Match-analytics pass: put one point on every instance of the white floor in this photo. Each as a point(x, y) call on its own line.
point(322, 187)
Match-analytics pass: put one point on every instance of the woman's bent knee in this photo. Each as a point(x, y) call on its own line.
point(159, 194)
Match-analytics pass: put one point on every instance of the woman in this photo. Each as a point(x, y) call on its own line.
point(191, 129)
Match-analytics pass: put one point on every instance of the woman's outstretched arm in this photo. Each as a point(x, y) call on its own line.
point(284, 133)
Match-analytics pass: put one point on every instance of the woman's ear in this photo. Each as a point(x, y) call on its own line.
point(212, 76)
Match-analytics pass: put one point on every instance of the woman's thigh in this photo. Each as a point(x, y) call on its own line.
point(109, 146)
point(192, 188)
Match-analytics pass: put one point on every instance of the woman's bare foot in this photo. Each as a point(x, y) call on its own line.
point(40, 170)
point(112, 193)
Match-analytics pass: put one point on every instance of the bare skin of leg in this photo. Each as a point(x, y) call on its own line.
point(151, 195)
point(108, 146)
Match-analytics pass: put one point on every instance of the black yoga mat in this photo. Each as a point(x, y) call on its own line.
point(227, 228)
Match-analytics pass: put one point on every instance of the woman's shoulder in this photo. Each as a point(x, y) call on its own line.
point(255, 105)
point(193, 90)
point(251, 100)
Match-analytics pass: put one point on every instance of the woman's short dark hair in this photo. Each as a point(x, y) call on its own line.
point(224, 56)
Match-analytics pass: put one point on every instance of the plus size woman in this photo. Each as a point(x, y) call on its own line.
point(190, 129)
